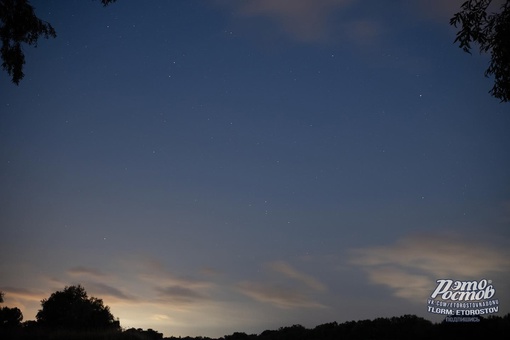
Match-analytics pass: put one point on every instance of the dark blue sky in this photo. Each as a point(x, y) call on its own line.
point(208, 167)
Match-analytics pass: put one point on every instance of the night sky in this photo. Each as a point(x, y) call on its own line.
point(207, 167)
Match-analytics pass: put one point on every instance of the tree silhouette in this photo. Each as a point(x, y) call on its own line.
point(72, 309)
point(10, 321)
point(492, 33)
point(18, 25)
point(10, 317)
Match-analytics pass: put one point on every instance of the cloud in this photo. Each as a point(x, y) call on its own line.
point(439, 10)
point(85, 271)
point(165, 286)
point(442, 11)
point(288, 271)
point(22, 293)
point(340, 21)
point(411, 266)
point(109, 291)
point(161, 317)
point(282, 297)
point(154, 271)
point(363, 31)
point(302, 20)
point(405, 285)
point(99, 283)
point(285, 295)
point(180, 294)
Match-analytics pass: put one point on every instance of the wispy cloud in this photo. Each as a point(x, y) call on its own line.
point(177, 289)
point(110, 292)
point(22, 293)
point(439, 10)
point(280, 296)
point(96, 282)
point(354, 22)
point(180, 294)
point(85, 271)
point(290, 272)
point(363, 31)
point(155, 272)
point(294, 293)
point(411, 266)
point(302, 20)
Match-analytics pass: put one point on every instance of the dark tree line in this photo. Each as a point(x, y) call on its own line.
point(71, 314)
point(395, 328)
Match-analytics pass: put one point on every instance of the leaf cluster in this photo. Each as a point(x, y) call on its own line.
point(19, 24)
point(107, 2)
point(491, 31)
